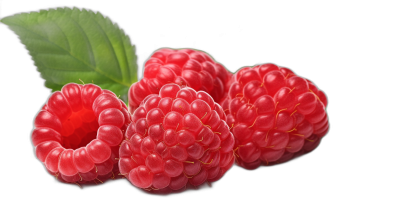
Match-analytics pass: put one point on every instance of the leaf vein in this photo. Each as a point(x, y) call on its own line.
point(62, 31)
point(108, 44)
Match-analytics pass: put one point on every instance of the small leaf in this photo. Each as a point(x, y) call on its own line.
point(69, 45)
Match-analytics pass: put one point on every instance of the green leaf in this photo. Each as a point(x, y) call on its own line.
point(69, 45)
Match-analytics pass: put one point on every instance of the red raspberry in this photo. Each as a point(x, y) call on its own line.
point(193, 68)
point(78, 133)
point(176, 137)
point(274, 114)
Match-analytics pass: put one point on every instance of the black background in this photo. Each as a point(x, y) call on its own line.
point(309, 42)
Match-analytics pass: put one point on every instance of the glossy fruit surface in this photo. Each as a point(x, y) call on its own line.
point(176, 137)
point(274, 115)
point(193, 68)
point(78, 132)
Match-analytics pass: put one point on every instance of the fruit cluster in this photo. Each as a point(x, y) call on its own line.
point(78, 133)
point(274, 114)
point(183, 67)
point(189, 120)
point(177, 136)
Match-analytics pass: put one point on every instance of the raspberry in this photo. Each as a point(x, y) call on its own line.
point(193, 68)
point(274, 115)
point(177, 137)
point(78, 132)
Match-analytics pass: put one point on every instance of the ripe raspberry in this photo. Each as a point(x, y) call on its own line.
point(176, 137)
point(193, 68)
point(78, 133)
point(274, 115)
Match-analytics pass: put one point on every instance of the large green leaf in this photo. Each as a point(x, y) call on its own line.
point(69, 45)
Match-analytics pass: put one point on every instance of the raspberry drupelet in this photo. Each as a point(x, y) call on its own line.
point(274, 115)
point(176, 137)
point(78, 132)
point(193, 68)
